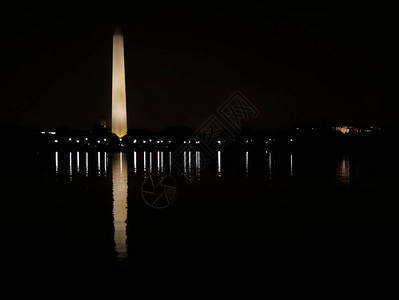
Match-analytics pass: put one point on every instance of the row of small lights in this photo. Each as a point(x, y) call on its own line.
point(77, 141)
point(291, 140)
point(150, 141)
point(196, 142)
point(99, 141)
point(161, 141)
point(250, 141)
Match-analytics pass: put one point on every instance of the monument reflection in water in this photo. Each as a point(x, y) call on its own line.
point(82, 167)
point(119, 188)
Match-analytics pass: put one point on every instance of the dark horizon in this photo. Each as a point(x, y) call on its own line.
point(297, 65)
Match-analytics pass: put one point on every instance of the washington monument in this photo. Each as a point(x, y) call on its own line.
point(119, 115)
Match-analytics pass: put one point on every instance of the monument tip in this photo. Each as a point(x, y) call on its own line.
point(118, 31)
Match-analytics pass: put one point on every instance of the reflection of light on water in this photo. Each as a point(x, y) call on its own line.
point(162, 161)
point(219, 164)
point(270, 168)
point(158, 162)
point(56, 162)
point(70, 166)
point(105, 163)
point(120, 163)
point(145, 161)
point(270, 163)
point(119, 182)
point(291, 166)
point(343, 171)
point(170, 162)
point(135, 162)
point(246, 163)
point(77, 161)
point(98, 163)
point(189, 162)
point(185, 162)
point(87, 164)
point(150, 162)
point(197, 163)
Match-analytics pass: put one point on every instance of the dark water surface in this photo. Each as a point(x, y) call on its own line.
point(84, 212)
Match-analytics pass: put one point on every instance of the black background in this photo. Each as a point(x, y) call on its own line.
point(331, 62)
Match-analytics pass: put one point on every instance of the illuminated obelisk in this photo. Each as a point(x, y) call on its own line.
point(119, 115)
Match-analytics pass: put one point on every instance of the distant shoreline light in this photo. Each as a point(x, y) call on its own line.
point(346, 129)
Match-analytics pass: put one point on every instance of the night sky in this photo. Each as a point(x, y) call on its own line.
point(297, 65)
